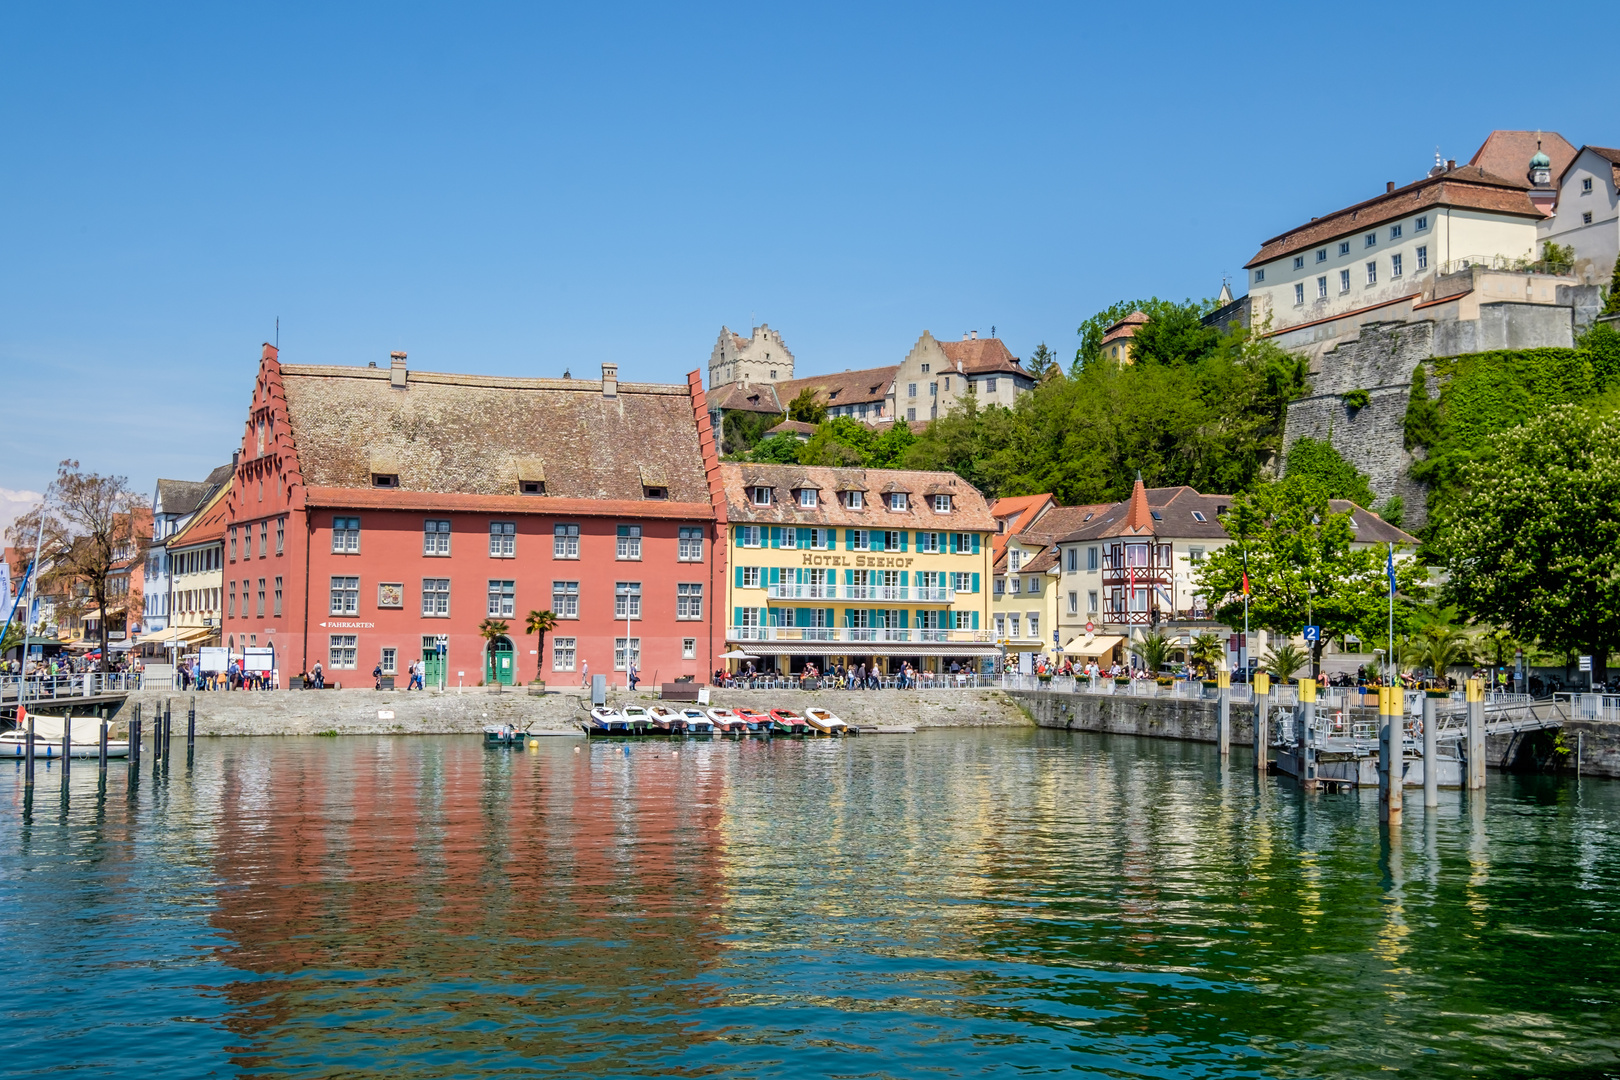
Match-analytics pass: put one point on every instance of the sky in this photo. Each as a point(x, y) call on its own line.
point(527, 189)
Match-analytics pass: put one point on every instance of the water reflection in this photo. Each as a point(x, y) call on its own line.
point(954, 903)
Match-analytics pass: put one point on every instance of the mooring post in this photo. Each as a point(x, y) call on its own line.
point(191, 725)
point(1262, 722)
point(1304, 731)
point(1223, 711)
point(135, 738)
point(28, 752)
point(168, 727)
point(102, 755)
point(1431, 762)
point(1476, 735)
point(1391, 767)
point(67, 747)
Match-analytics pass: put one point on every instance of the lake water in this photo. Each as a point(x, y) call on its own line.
point(949, 904)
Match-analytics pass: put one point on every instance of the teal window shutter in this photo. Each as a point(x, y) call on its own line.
point(623, 530)
point(975, 543)
point(905, 619)
point(739, 576)
point(830, 617)
point(736, 616)
point(776, 575)
point(903, 576)
point(904, 537)
point(849, 539)
point(801, 617)
point(975, 620)
point(877, 540)
point(804, 538)
point(849, 577)
point(975, 582)
point(954, 546)
point(776, 537)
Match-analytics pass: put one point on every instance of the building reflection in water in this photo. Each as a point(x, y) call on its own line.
point(419, 900)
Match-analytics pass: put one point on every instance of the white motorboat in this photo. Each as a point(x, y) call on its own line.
point(697, 722)
point(85, 741)
point(825, 722)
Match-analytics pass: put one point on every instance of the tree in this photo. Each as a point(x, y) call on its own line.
point(1154, 649)
point(806, 409)
point(489, 630)
point(1043, 364)
point(1317, 460)
point(1174, 334)
point(542, 623)
point(1612, 305)
point(92, 537)
point(741, 430)
point(841, 441)
point(1438, 646)
point(779, 449)
point(1301, 566)
point(1535, 545)
point(1206, 652)
point(1283, 659)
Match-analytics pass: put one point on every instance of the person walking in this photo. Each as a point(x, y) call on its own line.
point(635, 677)
point(318, 675)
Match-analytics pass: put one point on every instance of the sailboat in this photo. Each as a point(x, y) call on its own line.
point(85, 741)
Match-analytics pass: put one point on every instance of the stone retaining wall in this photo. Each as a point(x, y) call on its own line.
point(1190, 719)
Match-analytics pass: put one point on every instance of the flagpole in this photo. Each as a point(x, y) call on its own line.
point(1243, 653)
point(1392, 613)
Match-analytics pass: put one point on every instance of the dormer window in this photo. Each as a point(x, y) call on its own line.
point(807, 498)
point(532, 487)
point(760, 495)
point(853, 500)
point(897, 501)
point(942, 504)
point(651, 492)
point(384, 480)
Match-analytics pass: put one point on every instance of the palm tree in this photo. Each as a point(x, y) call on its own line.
point(1206, 652)
point(1285, 659)
point(1438, 646)
point(542, 623)
point(1155, 651)
point(489, 630)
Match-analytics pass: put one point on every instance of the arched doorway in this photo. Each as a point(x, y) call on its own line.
point(500, 665)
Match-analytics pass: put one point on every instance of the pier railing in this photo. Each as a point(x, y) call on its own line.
point(77, 684)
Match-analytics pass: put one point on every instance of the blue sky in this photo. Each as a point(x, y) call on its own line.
point(525, 189)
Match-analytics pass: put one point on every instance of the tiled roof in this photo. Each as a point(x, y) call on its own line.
point(1125, 328)
point(842, 387)
point(982, 356)
point(1018, 511)
point(466, 435)
point(1368, 527)
point(792, 427)
point(181, 496)
point(1175, 507)
point(1604, 152)
point(1508, 153)
point(969, 512)
point(208, 525)
point(1057, 522)
point(754, 397)
point(1467, 187)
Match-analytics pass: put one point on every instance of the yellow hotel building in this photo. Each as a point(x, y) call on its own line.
point(850, 566)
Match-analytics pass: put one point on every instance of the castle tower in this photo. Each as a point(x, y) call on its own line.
point(760, 358)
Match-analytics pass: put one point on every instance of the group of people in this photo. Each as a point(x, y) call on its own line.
point(841, 676)
point(64, 664)
point(191, 675)
point(417, 672)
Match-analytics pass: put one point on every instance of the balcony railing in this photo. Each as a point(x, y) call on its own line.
point(857, 635)
point(910, 594)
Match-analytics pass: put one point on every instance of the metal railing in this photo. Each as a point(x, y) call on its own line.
point(921, 680)
point(1589, 706)
point(77, 684)
point(910, 594)
point(860, 635)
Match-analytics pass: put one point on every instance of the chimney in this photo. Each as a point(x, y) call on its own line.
point(396, 370)
point(971, 335)
point(1389, 186)
point(1451, 163)
point(610, 380)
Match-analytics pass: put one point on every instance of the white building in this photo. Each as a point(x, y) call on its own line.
point(1588, 213)
point(174, 502)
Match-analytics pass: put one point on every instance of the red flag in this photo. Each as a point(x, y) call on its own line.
point(1245, 583)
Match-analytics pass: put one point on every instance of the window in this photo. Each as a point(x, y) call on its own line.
point(649, 492)
point(1299, 293)
point(1321, 254)
point(1000, 586)
point(823, 539)
point(688, 601)
point(1013, 585)
point(281, 535)
point(264, 538)
point(789, 538)
point(897, 501)
point(627, 600)
point(1198, 515)
point(1091, 558)
point(689, 545)
point(231, 610)
point(1259, 275)
point(1015, 559)
point(1344, 247)
point(933, 389)
point(1091, 602)
point(1072, 557)
point(1372, 273)
point(345, 596)
point(1394, 232)
point(748, 536)
point(619, 652)
point(1394, 266)
point(947, 384)
point(1299, 262)
point(1586, 218)
point(1195, 554)
point(531, 487)
point(384, 480)
point(1586, 185)
point(1321, 287)
point(502, 540)
point(858, 540)
point(277, 599)
point(807, 498)
point(928, 542)
point(1034, 623)
point(502, 599)
point(1012, 626)
point(562, 653)
point(1423, 258)
point(260, 611)
point(390, 662)
point(1074, 603)
point(1032, 586)
point(911, 414)
point(911, 389)
point(989, 386)
point(436, 597)
point(340, 652)
point(750, 576)
point(565, 542)
point(628, 543)
point(925, 368)
point(435, 537)
point(1370, 240)
point(1344, 281)
point(345, 536)
point(688, 648)
point(565, 599)
point(854, 500)
point(1420, 224)
point(761, 495)
point(942, 504)
point(1001, 626)
point(962, 582)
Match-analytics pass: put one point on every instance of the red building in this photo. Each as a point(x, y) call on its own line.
point(377, 512)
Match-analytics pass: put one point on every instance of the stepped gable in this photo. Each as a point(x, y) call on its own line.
point(471, 435)
point(969, 511)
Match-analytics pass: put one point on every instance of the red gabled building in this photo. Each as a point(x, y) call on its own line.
point(376, 512)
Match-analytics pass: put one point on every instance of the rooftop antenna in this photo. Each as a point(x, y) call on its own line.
point(992, 329)
point(278, 333)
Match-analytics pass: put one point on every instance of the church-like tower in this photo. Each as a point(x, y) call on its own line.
point(760, 358)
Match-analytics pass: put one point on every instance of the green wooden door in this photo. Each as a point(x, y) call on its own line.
point(500, 664)
point(433, 667)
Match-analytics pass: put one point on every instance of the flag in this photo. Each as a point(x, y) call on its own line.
point(1245, 583)
point(1389, 569)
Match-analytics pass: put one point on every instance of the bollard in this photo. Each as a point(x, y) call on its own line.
point(67, 748)
point(28, 755)
point(1391, 767)
point(1475, 753)
point(135, 738)
point(1223, 711)
point(191, 725)
point(1262, 722)
point(102, 756)
point(1302, 731)
point(1431, 762)
point(168, 729)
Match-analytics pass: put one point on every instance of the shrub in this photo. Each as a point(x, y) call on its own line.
point(1356, 399)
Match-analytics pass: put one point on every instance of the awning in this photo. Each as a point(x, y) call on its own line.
point(178, 635)
point(1095, 646)
point(863, 649)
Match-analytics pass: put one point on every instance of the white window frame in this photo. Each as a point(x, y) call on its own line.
point(688, 600)
point(1421, 224)
point(1299, 292)
point(689, 541)
point(565, 541)
point(435, 598)
point(626, 600)
point(565, 599)
point(502, 598)
point(436, 537)
point(942, 504)
point(854, 500)
point(627, 543)
point(1344, 247)
point(345, 538)
point(1344, 280)
point(807, 498)
point(899, 502)
point(1370, 240)
point(1372, 272)
point(619, 649)
point(688, 648)
point(1423, 257)
point(342, 651)
point(1321, 287)
point(344, 596)
point(1260, 275)
point(751, 577)
point(503, 539)
point(1394, 232)
point(1299, 262)
point(1395, 267)
point(564, 651)
point(748, 536)
point(760, 495)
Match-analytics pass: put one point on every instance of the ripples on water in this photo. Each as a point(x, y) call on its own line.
point(956, 903)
